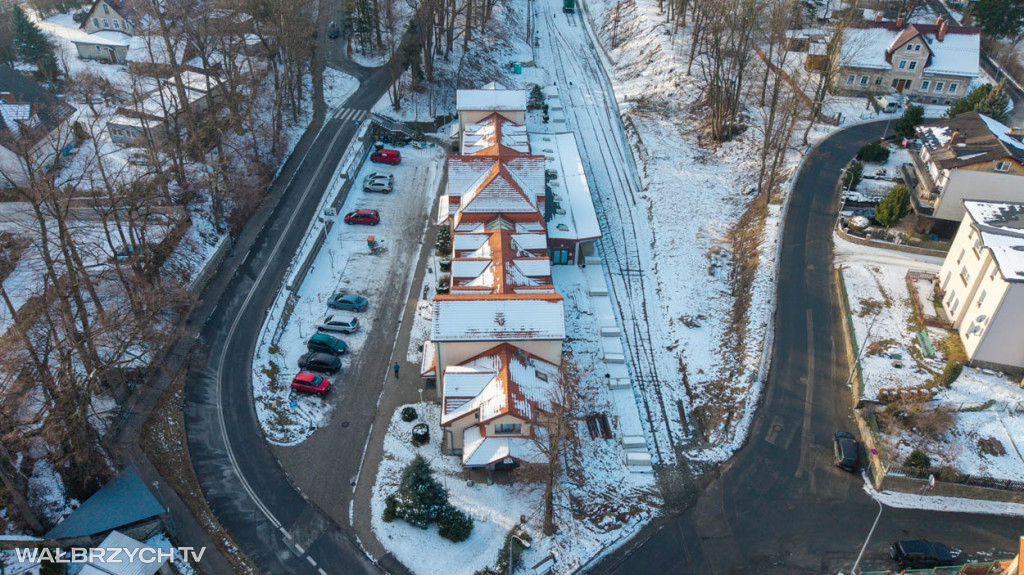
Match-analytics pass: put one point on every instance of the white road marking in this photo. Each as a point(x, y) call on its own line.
point(234, 326)
point(311, 560)
point(300, 549)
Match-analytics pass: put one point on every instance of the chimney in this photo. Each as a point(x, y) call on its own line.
point(899, 22)
point(942, 31)
point(7, 97)
point(878, 17)
point(938, 21)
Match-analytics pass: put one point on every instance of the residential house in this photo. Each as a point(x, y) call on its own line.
point(930, 63)
point(34, 127)
point(154, 113)
point(969, 157)
point(474, 105)
point(132, 558)
point(124, 503)
point(982, 282)
point(108, 31)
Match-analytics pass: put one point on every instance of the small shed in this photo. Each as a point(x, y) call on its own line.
point(125, 503)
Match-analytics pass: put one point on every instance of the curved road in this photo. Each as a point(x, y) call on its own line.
point(780, 505)
point(247, 489)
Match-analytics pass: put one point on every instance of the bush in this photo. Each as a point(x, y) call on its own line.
point(536, 98)
point(420, 434)
point(947, 473)
point(949, 373)
point(918, 460)
point(894, 207)
point(454, 525)
point(911, 118)
point(852, 176)
point(409, 414)
point(390, 508)
point(444, 241)
point(420, 498)
point(873, 152)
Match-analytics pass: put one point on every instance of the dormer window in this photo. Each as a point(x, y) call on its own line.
point(508, 428)
point(1003, 166)
point(106, 9)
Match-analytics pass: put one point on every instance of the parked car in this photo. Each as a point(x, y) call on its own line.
point(844, 446)
point(389, 178)
point(311, 383)
point(319, 361)
point(386, 156)
point(347, 302)
point(364, 217)
point(332, 31)
point(325, 343)
point(343, 322)
point(379, 186)
point(920, 554)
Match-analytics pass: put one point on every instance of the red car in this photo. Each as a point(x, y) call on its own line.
point(311, 383)
point(364, 217)
point(386, 156)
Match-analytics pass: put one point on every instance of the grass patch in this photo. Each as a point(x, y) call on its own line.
point(878, 347)
point(163, 440)
point(869, 306)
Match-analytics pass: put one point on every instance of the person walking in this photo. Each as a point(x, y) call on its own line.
point(396, 369)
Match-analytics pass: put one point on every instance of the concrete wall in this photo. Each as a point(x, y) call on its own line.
point(1000, 343)
point(976, 185)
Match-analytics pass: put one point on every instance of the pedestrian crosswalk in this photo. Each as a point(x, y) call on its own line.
point(349, 115)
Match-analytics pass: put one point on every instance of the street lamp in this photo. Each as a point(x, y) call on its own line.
point(853, 571)
point(511, 547)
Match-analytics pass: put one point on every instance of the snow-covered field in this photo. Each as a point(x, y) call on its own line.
point(608, 506)
point(343, 263)
point(983, 404)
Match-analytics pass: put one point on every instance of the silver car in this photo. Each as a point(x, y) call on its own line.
point(390, 178)
point(341, 322)
point(378, 186)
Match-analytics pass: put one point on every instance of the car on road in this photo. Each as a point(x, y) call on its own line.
point(386, 156)
point(347, 302)
point(311, 383)
point(332, 31)
point(326, 343)
point(378, 186)
point(363, 217)
point(920, 554)
point(844, 446)
point(319, 361)
point(338, 321)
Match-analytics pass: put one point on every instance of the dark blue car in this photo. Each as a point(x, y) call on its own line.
point(347, 302)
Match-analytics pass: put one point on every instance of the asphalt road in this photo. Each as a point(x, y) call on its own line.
point(780, 505)
point(247, 489)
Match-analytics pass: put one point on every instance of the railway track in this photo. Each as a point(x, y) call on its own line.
point(607, 158)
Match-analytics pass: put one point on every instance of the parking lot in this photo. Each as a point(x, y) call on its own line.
point(346, 262)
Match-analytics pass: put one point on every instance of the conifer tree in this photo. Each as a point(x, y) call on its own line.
point(32, 45)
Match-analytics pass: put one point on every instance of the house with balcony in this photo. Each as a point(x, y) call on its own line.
point(929, 63)
point(982, 283)
point(968, 157)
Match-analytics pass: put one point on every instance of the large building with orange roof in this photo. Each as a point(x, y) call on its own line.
point(497, 335)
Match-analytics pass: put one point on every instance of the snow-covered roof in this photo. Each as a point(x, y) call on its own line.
point(498, 318)
point(494, 99)
point(479, 451)
point(121, 564)
point(874, 46)
point(104, 38)
point(489, 184)
point(978, 139)
point(495, 135)
point(122, 501)
point(1001, 225)
point(570, 189)
point(428, 363)
point(144, 49)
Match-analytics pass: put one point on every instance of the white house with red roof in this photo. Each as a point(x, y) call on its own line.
point(933, 63)
point(475, 105)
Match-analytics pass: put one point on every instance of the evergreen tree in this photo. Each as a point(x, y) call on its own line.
point(911, 118)
point(987, 99)
point(536, 98)
point(1000, 18)
point(420, 499)
point(852, 176)
point(32, 46)
point(894, 207)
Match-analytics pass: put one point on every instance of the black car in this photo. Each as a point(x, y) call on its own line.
point(844, 445)
point(319, 361)
point(920, 553)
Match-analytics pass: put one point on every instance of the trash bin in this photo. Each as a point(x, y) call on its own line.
point(517, 68)
point(370, 242)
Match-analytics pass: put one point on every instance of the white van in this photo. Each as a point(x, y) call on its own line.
point(338, 321)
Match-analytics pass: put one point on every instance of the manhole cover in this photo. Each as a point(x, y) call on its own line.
point(344, 424)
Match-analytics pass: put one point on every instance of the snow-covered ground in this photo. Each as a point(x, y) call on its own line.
point(940, 503)
point(983, 404)
point(343, 263)
point(608, 506)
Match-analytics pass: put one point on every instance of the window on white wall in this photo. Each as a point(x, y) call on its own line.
point(961, 256)
point(965, 275)
point(913, 65)
point(954, 305)
point(981, 297)
point(903, 64)
point(925, 84)
point(851, 78)
point(952, 87)
point(939, 85)
point(864, 80)
point(945, 282)
point(878, 81)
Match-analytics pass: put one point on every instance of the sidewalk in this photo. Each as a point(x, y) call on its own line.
point(397, 391)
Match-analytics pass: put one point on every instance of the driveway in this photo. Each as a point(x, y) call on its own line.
point(780, 505)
